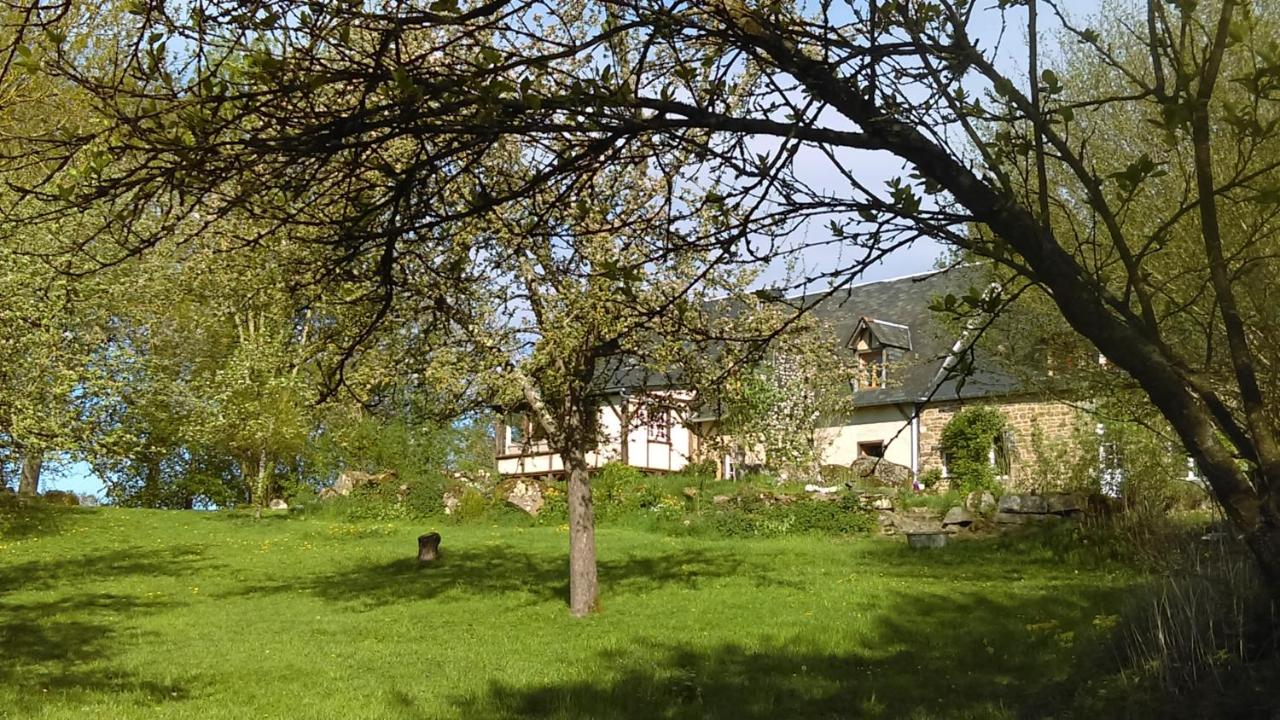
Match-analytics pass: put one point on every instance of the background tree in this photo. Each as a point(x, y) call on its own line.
point(774, 410)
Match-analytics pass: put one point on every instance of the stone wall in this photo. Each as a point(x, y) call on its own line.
point(1057, 423)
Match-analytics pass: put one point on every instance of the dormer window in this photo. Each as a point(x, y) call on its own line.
point(872, 369)
point(876, 343)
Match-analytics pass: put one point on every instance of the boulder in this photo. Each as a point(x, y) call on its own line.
point(690, 492)
point(957, 516)
point(479, 479)
point(885, 473)
point(87, 500)
point(278, 504)
point(1064, 503)
point(1011, 518)
point(1015, 503)
point(721, 499)
point(451, 499)
point(328, 493)
point(527, 496)
point(980, 501)
point(351, 479)
point(822, 489)
point(875, 502)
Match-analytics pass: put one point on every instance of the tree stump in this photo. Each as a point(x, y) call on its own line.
point(428, 548)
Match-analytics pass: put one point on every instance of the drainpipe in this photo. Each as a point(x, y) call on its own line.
point(915, 443)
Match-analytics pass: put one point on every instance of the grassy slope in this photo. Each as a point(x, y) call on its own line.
point(132, 613)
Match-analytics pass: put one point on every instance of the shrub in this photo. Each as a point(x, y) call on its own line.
point(931, 479)
point(60, 497)
point(702, 469)
point(471, 505)
point(759, 519)
point(393, 500)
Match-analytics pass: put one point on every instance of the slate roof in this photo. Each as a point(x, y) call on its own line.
point(885, 307)
point(897, 313)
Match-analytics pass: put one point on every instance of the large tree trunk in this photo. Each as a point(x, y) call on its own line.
point(29, 483)
point(583, 585)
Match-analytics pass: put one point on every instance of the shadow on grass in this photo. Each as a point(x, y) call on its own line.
point(926, 656)
point(502, 569)
point(45, 573)
point(63, 647)
point(24, 518)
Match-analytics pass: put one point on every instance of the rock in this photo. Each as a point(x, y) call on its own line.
point(886, 473)
point(351, 479)
point(278, 504)
point(1064, 503)
point(720, 499)
point(1011, 518)
point(1015, 503)
point(451, 499)
point(527, 496)
point(88, 500)
point(480, 480)
point(957, 516)
point(980, 501)
point(690, 492)
point(328, 493)
point(876, 502)
point(822, 489)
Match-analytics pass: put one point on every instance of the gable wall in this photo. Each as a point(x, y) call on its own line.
point(890, 424)
point(1056, 422)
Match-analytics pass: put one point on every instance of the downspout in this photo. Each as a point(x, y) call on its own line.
point(915, 441)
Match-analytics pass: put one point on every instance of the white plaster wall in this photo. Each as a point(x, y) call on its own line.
point(840, 443)
point(642, 453)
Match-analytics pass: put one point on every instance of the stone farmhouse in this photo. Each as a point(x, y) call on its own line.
point(906, 392)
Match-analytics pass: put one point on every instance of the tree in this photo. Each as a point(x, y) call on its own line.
point(774, 410)
point(745, 91)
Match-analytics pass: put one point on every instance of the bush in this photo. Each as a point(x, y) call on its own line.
point(472, 505)
point(701, 470)
point(759, 519)
point(931, 479)
point(967, 441)
point(394, 500)
point(59, 497)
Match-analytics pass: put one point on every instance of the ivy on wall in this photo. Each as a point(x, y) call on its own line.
point(968, 440)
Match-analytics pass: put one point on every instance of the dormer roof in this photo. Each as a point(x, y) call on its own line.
point(881, 334)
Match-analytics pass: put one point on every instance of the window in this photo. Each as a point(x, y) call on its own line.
point(658, 419)
point(516, 431)
point(523, 432)
point(871, 369)
point(871, 449)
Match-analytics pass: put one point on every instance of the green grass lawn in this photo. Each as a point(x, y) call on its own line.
point(162, 614)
